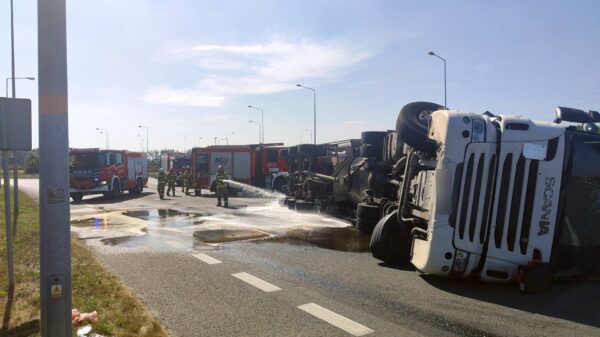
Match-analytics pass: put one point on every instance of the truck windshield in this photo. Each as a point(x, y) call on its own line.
point(182, 162)
point(86, 161)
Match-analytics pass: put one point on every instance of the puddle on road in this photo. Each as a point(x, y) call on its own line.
point(155, 228)
point(228, 235)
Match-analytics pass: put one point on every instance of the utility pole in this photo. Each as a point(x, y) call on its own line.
point(55, 231)
point(15, 176)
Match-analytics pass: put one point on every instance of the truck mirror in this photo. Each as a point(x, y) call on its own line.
point(595, 116)
point(572, 115)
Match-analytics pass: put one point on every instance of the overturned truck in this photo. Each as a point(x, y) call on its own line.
point(458, 194)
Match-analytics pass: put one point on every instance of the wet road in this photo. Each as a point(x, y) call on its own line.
point(257, 269)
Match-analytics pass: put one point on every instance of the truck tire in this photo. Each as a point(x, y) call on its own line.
point(116, 189)
point(412, 124)
point(372, 151)
point(366, 217)
point(373, 137)
point(390, 241)
point(304, 206)
point(307, 150)
point(291, 204)
point(197, 192)
point(77, 197)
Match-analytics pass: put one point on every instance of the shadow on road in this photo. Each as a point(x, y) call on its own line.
point(405, 266)
point(99, 199)
point(576, 302)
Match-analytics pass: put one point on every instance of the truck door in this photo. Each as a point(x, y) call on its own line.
point(241, 169)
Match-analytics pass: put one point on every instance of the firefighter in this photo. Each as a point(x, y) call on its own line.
point(162, 180)
point(171, 176)
point(187, 181)
point(221, 186)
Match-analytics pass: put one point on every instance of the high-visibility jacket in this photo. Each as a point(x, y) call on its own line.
point(171, 178)
point(221, 177)
point(162, 178)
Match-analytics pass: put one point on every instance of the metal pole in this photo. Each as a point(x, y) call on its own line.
point(15, 173)
point(445, 97)
point(9, 247)
point(55, 235)
point(262, 124)
point(315, 114)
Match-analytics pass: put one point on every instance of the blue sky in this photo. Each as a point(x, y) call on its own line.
point(189, 69)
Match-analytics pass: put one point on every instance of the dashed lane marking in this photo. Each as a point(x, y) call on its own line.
point(336, 320)
point(255, 281)
point(176, 244)
point(206, 259)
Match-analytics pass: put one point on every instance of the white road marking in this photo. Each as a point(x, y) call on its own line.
point(255, 281)
point(337, 320)
point(176, 244)
point(206, 259)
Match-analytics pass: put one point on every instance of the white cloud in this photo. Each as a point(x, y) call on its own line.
point(271, 67)
point(187, 97)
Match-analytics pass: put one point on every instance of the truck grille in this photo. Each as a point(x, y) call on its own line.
point(514, 195)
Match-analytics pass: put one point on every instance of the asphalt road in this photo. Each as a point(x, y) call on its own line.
point(257, 269)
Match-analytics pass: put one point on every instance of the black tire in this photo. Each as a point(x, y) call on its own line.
point(197, 192)
point(322, 150)
point(116, 189)
point(412, 124)
point(373, 137)
point(390, 241)
point(366, 211)
point(304, 206)
point(366, 225)
point(307, 150)
point(291, 204)
point(77, 197)
point(372, 151)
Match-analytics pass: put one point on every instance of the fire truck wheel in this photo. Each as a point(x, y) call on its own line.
point(304, 206)
point(413, 122)
point(366, 225)
point(307, 150)
point(116, 189)
point(366, 211)
point(291, 204)
point(390, 241)
point(372, 151)
point(77, 197)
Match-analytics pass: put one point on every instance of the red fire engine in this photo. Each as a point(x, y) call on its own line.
point(260, 165)
point(176, 161)
point(108, 172)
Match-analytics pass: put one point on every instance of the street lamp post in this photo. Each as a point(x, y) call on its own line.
point(105, 131)
point(147, 148)
point(13, 83)
point(262, 123)
point(314, 111)
point(257, 123)
point(441, 58)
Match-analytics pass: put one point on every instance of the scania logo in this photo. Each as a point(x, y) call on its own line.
point(547, 205)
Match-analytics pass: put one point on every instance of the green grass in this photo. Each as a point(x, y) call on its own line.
point(120, 313)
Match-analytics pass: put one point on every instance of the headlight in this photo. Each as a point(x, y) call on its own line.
point(478, 131)
point(460, 262)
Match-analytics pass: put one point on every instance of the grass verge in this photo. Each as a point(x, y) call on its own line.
point(120, 313)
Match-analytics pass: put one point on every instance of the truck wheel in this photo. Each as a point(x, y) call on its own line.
point(366, 217)
point(373, 137)
point(116, 190)
point(412, 124)
point(304, 206)
point(307, 150)
point(197, 192)
point(372, 151)
point(77, 197)
point(390, 241)
point(291, 203)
